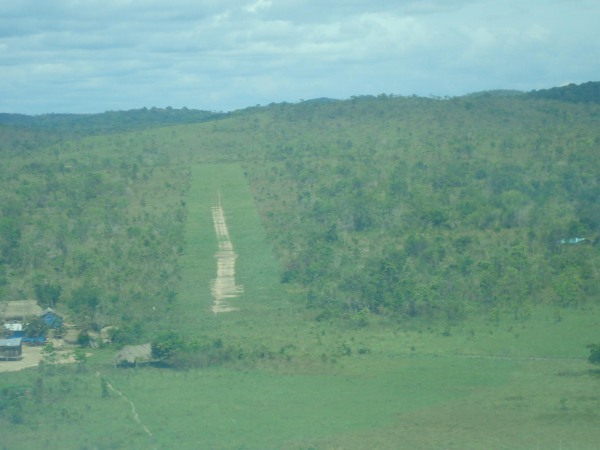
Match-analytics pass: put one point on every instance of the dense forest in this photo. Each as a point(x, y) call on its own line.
point(397, 206)
point(421, 207)
point(107, 122)
point(585, 93)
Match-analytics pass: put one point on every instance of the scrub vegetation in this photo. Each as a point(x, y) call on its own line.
point(416, 272)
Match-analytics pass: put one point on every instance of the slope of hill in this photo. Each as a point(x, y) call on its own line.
point(406, 270)
point(401, 206)
point(110, 122)
point(416, 206)
point(583, 93)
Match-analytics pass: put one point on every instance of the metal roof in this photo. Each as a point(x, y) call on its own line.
point(15, 342)
point(13, 326)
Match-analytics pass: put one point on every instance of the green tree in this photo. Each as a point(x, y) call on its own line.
point(167, 346)
point(84, 339)
point(10, 237)
point(594, 357)
point(85, 299)
point(47, 293)
point(36, 328)
point(81, 357)
point(104, 389)
point(49, 355)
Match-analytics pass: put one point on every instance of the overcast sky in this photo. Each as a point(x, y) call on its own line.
point(88, 56)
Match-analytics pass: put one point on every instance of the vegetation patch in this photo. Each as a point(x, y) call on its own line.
point(414, 270)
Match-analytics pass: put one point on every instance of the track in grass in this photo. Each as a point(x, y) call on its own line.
point(226, 253)
point(224, 286)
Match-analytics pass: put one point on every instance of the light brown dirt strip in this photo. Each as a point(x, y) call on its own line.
point(223, 287)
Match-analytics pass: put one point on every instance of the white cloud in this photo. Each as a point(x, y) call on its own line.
point(232, 53)
point(258, 6)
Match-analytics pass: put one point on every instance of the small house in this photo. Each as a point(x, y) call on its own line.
point(13, 330)
point(51, 318)
point(11, 349)
point(132, 355)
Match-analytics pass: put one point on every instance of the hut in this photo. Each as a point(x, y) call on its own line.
point(51, 318)
point(19, 310)
point(133, 355)
point(11, 349)
point(13, 330)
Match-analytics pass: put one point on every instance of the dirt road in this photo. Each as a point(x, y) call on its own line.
point(223, 287)
point(32, 355)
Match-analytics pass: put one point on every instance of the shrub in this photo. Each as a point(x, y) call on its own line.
point(594, 357)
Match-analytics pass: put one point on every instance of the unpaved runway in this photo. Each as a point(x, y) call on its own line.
point(223, 287)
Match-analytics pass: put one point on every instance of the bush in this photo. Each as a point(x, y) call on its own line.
point(84, 339)
point(47, 293)
point(36, 328)
point(594, 357)
point(167, 346)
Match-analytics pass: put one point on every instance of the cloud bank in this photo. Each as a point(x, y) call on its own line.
point(92, 56)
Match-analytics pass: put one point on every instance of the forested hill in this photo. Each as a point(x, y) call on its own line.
point(586, 93)
point(107, 122)
point(398, 206)
point(417, 206)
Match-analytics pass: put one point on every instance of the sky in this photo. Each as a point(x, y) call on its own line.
point(90, 56)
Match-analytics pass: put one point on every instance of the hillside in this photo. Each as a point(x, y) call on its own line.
point(578, 93)
point(397, 206)
point(107, 122)
point(416, 206)
point(327, 274)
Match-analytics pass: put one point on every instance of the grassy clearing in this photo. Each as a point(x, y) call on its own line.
point(260, 306)
point(549, 332)
point(542, 404)
point(386, 383)
point(412, 389)
point(221, 408)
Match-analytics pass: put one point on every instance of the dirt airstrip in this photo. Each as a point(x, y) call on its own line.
point(223, 287)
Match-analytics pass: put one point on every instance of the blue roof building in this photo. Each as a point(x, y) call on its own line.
point(51, 318)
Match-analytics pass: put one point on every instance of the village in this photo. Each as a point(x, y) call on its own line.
point(27, 329)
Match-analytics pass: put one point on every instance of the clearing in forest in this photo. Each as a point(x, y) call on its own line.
point(226, 251)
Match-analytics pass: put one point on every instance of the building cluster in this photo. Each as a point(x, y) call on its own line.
point(15, 317)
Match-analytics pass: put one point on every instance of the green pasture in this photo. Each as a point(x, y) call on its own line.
point(416, 401)
point(221, 408)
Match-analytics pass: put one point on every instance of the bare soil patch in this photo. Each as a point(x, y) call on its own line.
point(224, 287)
point(32, 355)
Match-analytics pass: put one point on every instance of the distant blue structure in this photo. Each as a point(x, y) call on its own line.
point(51, 318)
point(35, 340)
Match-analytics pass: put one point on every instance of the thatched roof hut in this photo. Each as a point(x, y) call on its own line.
point(19, 309)
point(132, 355)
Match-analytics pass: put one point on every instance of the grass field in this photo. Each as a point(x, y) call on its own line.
point(480, 384)
point(256, 269)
